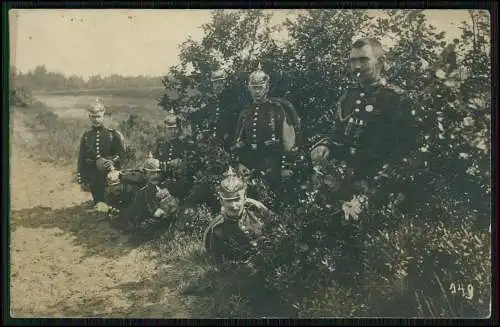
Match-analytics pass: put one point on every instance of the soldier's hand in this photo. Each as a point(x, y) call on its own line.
point(162, 193)
point(159, 213)
point(270, 142)
point(286, 173)
point(108, 164)
point(238, 145)
point(320, 153)
point(85, 187)
point(174, 162)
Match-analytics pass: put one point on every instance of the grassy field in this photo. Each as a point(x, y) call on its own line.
point(150, 92)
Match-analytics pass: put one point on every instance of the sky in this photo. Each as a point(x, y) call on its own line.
point(126, 42)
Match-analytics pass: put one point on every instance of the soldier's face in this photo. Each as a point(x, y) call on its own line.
point(170, 132)
point(258, 91)
point(365, 62)
point(234, 206)
point(218, 86)
point(96, 119)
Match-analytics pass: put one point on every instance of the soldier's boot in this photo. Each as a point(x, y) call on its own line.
point(98, 192)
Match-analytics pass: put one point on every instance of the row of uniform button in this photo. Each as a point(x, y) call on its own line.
point(97, 145)
point(254, 135)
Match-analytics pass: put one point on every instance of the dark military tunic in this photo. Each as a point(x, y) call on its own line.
point(260, 129)
point(177, 179)
point(217, 120)
point(372, 131)
point(96, 143)
point(233, 238)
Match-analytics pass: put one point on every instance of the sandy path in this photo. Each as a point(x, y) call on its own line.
point(66, 261)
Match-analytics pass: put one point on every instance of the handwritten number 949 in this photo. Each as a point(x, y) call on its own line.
point(459, 289)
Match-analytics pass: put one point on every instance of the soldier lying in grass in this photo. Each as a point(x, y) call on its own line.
point(151, 203)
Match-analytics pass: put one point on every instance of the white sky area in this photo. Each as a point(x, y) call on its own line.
point(127, 42)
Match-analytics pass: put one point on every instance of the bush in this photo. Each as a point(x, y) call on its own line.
point(398, 259)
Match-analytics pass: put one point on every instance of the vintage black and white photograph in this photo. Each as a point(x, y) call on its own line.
point(313, 163)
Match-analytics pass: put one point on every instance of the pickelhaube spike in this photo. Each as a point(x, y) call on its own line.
point(231, 185)
point(97, 107)
point(258, 77)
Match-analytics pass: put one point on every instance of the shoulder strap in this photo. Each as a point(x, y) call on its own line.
point(118, 134)
point(338, 112)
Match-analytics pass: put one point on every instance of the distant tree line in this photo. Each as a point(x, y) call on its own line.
point(40, 79)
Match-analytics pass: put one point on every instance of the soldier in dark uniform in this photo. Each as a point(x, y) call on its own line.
point(372, 130)
point(214, 127)
point(215, 121)
point(233, 234)
point(101, 150)
point(265, 134)
point(372, 141)
point(176, 153)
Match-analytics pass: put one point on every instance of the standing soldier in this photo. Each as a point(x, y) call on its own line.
point(214, 129)
point(216, 120)
point(101, 150)
point(371, 143)
point(266, 133)
point(175, 152)
point(236, 230)
point(372, 131)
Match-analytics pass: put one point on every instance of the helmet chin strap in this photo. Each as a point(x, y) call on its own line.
point(259, 99)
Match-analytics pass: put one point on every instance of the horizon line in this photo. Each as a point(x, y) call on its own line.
point(67, 75)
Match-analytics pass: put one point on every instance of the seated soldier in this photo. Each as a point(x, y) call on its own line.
point(153, 202)
point(236, 230)
point(101, 148)
point(176, 153)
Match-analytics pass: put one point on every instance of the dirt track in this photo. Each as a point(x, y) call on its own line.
point(67, 261)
